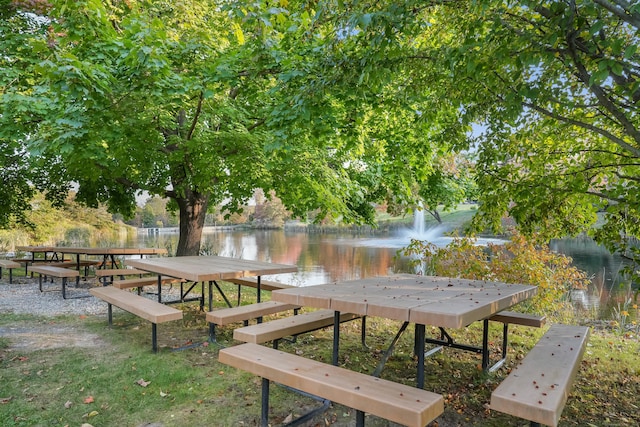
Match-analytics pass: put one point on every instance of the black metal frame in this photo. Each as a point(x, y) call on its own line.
point(264, 413)
point(183, 294)
point(419, 347)
point(64, 287)
point(154, 328)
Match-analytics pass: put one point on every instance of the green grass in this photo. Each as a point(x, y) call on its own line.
point(101, 385)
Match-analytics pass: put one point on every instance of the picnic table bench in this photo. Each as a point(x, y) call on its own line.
point(265, 285)
point(139, 282)
point(145, 308)
point(244, 313)
point(513, 318)
point(537, 389)
point(9, 265)
point(59, 272)
point(29, 261)
point(107, 274)
point(277, 329)
point(252, 282)
point(396, 402)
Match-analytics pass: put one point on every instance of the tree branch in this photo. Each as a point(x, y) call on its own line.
point(196, 116)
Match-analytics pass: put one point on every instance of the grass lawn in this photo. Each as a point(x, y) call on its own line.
point(74, 370)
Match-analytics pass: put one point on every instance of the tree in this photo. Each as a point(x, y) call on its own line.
point(552, 84)
point(18, 177)
point(452, 182)
point(269, 211)
point(203, 102)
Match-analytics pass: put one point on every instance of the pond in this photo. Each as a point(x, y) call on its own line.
point(331, 257)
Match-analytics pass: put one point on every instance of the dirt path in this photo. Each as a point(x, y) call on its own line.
point(47, 336)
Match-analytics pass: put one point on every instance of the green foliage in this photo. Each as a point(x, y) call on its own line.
point(332, 104)
point(516, 261)
point(203, 103)
point(551, 86)
point(68, 224)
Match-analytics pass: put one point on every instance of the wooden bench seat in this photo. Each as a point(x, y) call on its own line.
point(107, 275)
point(28, 261)
point(244, 313)
point(140, 282)
point(9, 265)
point(265, 285)
point(515, 318)
point(59, 272)
point(121, 272)
point(86, 263)
point(293, 325)
point(145, 308)
point(396, 402)
point(63, 264)
point(537, 389)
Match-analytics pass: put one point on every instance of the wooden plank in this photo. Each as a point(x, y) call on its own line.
point(53, 271)
point(293, 325)
point(119, 272)
point(226, 316)
point(207, 268)
point(537, 389)
point(472, 306)
point(265, 285)
point(62, 264)
point(152, 311)
point(400, 403)
point(7, 263)
point(142, 281)
point(516, 318)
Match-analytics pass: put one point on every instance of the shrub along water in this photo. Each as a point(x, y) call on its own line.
point(516, 261)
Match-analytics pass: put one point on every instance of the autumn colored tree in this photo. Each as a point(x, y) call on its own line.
point(519, 260)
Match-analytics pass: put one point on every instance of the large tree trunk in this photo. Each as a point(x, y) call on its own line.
point(193, 210)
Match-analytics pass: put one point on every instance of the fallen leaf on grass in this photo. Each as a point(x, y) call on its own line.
point(163, 394)
point(88, 399)
point(68, 404)
point(4, 400)
point(142, 383)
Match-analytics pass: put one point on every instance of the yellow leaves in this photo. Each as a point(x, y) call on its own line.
point(237, 31)
point(517, 261)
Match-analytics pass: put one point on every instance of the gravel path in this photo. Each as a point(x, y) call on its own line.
point(24, 297)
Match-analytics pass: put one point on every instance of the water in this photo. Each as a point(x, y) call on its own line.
point(328, 258)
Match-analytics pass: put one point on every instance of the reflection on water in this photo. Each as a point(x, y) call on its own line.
point(327, 258)
point(608, 285)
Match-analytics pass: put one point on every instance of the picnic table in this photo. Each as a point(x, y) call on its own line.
point(423, 300)
point(57, 253)
point(210, 269)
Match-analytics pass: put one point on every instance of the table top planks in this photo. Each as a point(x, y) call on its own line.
point(92, 250)
point(439, 301)
point(209, 268)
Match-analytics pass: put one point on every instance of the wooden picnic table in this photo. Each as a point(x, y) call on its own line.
point(58, 254)
point(423, 300)
point(210, 269)
point(105, 253)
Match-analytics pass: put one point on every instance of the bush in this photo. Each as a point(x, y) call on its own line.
point(517, 261)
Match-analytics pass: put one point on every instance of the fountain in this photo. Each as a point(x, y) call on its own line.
point(420, 231)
